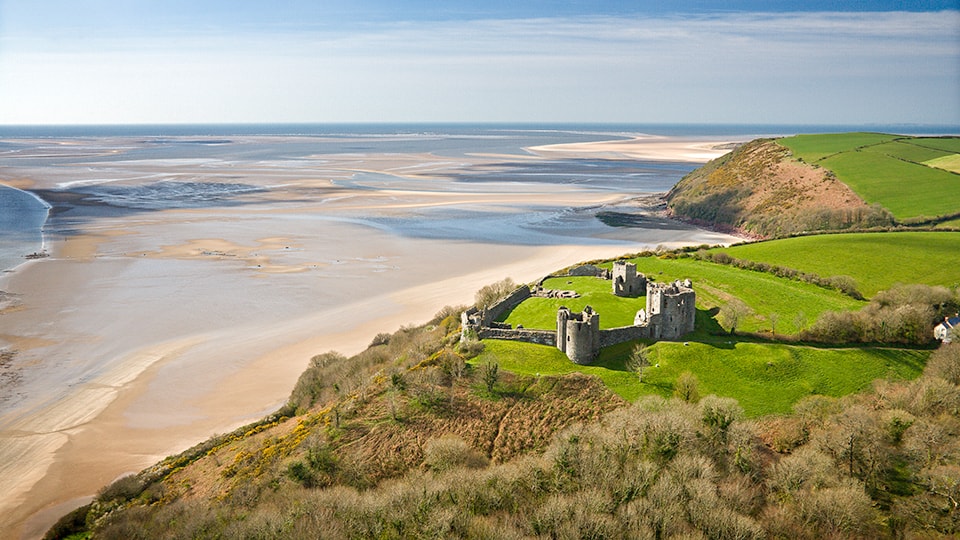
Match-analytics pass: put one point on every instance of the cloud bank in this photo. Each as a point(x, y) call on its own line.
point(889, 67)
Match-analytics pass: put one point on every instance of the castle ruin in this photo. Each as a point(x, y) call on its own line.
point(670, 313)
point(578, 334)
point(626, 281)
point(671, 310)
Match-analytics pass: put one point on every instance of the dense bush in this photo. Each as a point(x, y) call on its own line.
point(904, 314)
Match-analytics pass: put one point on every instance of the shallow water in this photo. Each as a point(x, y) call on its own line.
point(22, 216)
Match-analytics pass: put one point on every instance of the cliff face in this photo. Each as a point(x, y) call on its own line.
point(758, 189)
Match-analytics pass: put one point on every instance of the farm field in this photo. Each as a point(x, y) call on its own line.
point(875, 260)
point(950, 162)
point(765, 378)
point(813, 148)
point(889, 170)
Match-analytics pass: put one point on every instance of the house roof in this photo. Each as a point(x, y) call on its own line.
point(952, 321)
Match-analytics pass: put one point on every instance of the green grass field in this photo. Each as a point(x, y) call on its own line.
point(907, 190)
point(947, 144)
point(888, 170)
point(541, 313)
point(875, 260)
point(795, 304)
point(908, 151)
point(764, 378)
point(813, 148)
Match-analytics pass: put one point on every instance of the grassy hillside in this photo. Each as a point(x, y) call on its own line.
point(875, 260)
point(794, 303)
point(759, 189)
point(888, 170)
point(766, 378)
point(421, 436)
point(825, 182)
point(881, 464)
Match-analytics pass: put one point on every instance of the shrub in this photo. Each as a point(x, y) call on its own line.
point(301, 473)
point(945, 363)
point(687, 387)
point(490, 373)
point(382, 338)
point(123, 489)
point(449, 452)
point(493, 293)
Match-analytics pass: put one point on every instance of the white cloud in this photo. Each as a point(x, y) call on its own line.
point(808, 67)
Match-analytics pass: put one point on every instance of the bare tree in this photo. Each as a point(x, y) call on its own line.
point(639, 359)
point(733, 313)
point(773, 317)
point(687, 387)
point(493, 293)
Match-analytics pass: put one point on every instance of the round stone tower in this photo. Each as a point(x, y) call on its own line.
point(578, 334)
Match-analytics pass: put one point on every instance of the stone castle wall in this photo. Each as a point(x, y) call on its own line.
point(540, 337)
point(626, 281)
point(512, 300)
point(578, 334)
point(613, 336)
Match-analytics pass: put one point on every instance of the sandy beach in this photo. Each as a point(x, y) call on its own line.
point(150, 328)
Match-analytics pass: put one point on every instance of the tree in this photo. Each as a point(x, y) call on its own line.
point(638, 360)
point(493, 293)
point(773, 317)
point(490, 372)
point(687, 387)
point(800, 321)
point(732, 313)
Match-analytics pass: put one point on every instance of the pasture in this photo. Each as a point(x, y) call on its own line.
point(890, 170)
point(541, 313)
point(876, 261)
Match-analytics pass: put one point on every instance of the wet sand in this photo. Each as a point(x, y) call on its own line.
point(147, 332)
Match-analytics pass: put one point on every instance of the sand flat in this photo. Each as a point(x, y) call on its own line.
point(147, 331)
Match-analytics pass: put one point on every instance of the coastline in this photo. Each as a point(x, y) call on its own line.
point(158, 389)
point(42, 250)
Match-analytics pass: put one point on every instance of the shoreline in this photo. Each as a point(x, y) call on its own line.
point(240, 298)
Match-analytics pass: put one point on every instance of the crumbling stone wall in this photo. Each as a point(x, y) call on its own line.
point(512, 300)
point(541, 337)
point(626, 281)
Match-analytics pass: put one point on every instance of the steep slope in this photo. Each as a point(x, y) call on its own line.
point(759, 189)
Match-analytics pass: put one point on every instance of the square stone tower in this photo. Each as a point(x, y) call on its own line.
point(671, 309)
point(626, 280)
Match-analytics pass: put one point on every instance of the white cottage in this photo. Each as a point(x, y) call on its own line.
point(945, 331)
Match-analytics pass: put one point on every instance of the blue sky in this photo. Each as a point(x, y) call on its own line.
point(189, 61)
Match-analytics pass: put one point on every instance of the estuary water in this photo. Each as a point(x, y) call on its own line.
point(22, 216)
point(142, 167)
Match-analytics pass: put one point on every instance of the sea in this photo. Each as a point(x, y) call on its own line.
point(23, 214)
